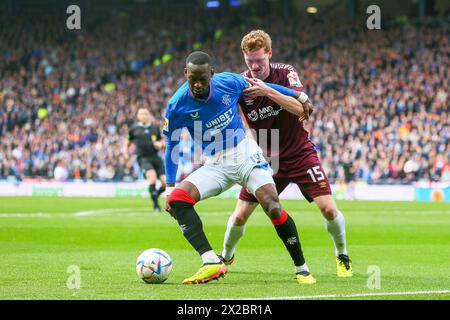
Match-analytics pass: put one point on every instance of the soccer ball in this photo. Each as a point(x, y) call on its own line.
point(153, 266)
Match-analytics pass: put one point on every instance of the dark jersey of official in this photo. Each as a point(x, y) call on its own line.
point(263, 113)
point(143, 137)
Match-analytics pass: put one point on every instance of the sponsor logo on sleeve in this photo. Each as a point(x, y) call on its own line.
point(194, 115)
point(294, 81)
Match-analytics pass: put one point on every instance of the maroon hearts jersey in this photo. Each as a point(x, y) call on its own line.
point(295, 152)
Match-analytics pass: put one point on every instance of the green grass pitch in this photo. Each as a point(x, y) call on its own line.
point(408, 242)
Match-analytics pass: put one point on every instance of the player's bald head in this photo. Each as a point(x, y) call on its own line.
point(198, 58)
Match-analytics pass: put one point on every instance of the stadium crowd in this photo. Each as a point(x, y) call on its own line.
point(67, 98)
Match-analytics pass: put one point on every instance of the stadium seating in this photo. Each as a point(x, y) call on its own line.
point(67, 98)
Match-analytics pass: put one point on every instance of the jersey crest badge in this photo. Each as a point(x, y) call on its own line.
point(226, 100)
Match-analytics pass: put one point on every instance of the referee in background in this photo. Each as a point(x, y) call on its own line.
point(148, 141)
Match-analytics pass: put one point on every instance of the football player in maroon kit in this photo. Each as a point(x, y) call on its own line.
point(298, 161)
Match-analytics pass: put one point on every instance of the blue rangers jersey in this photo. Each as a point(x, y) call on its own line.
point(213, 122)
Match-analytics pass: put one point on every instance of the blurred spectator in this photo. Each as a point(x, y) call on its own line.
point(67, 98)
point(60, 172)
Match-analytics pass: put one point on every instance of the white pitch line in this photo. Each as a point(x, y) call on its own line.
point(400, 212)
point(353, 295)
point(127, 211)
point(34, 215)
point(106, 211)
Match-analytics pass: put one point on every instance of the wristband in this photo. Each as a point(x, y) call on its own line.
point(303, 97)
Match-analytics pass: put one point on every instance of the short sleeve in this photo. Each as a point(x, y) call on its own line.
point(158, 133)
point(239, 82)
point(169, 122)
point(130, 134)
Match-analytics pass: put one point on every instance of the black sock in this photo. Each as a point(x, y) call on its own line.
point(153, 194)
point(191, 225)
point(161, 190)
point(289, 235)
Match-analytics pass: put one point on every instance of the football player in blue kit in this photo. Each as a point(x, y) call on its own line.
point(207, 105)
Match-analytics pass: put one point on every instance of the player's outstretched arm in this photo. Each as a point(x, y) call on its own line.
point(159, 144)
point(171, 168)
point(171, 165)
point(171, 142)
point(126, 149)
point(287, 98)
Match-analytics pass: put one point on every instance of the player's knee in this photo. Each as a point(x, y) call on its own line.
point(180, 200)
point(151, 176)
point(329, 212)
point(272, 207)
point(275, 210)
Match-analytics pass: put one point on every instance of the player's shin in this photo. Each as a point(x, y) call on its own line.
point(336, 229)
point(232, 236)
point(153, 194)
point(161, 190)
point(287, 231)
point(151, 189)
point(192, 226)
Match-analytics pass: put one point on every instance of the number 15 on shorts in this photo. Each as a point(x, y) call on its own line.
point(316, 174)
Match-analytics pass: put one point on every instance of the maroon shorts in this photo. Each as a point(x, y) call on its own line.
point(311, 178)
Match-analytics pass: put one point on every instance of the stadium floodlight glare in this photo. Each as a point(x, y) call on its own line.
point(234, 3)
point(311, 10)
point(212, 4)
